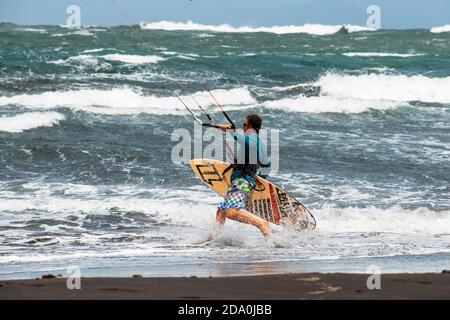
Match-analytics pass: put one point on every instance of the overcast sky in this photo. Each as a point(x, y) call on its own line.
point(395, 14)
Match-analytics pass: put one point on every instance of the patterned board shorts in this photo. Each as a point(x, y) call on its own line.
point(237, 194)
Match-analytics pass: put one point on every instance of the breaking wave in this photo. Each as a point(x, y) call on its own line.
point(329, 104)
point(133, 59)
point(30, 120)
point(38, 30)
point(313, 29)
point(441, 29)
point(125, 101)
point(356, 94)
point(395, 220)
point(386, 87)
point(91, 60)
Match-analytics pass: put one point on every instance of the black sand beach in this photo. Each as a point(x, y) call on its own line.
point(268, 287)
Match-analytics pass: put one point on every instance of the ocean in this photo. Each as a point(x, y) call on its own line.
point(87, 180)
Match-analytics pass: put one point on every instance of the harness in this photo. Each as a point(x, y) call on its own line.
point(246, 168)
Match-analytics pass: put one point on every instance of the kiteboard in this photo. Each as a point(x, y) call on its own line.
point(266, 201)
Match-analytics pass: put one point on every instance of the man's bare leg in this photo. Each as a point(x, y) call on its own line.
point(220, 220)
point(245, 217)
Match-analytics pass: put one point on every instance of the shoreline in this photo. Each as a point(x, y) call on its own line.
point(294, 286)
point(430, 263)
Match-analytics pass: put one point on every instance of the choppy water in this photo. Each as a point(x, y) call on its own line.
point(86, 176)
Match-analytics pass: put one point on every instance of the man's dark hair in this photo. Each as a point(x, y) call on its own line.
point(255, 121)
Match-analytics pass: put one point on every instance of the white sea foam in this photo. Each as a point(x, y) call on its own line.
point(396, 220)
point(125, 101)
point(92, 28)
point(379, 69)
point(80, 59)
point(248, 54)
point(92, 60)
point(386, 87)
point(83, 61)
point(133, 252)
point(59, 61)
point(441, 29)
point(185, 216)
point(356, 94)
point(185, 57)
point(381, 54)
point(189, 207)
point(354, 28)
point(82, 32)
point(93, 50)
point(38, 30)
point(285, 88)
point(205, 35)
point(133, 59)
point(329, 104)
point(170, 53)
point(314, 29)
point(168, 205)
point(29, 120)
point(79, 32)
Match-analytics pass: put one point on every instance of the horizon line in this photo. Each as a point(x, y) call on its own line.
point(219, 24)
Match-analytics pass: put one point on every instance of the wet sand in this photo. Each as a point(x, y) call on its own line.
point(266, 287)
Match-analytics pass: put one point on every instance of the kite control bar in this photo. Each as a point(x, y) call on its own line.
point(218, 126)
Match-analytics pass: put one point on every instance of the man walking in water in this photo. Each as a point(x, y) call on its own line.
point(251, 160)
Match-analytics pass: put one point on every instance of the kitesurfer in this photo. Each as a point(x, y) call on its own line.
point(251, 160)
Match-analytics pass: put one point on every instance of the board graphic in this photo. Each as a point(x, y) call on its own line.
point(266, 201)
